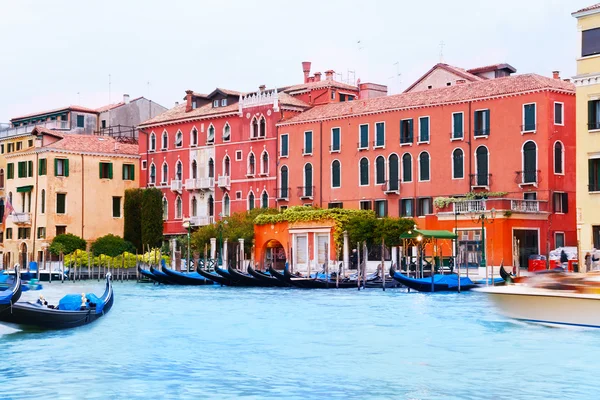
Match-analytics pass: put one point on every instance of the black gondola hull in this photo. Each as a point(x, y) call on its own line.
point(12, 294)
point(161, 277)
point(216, 278)
point(186, 279)
point(246, 280)
point(269, 279)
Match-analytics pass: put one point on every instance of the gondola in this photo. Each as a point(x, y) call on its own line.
point(441, 283)
point(232, 281)
point(267, 278)
point(146, 274)
point(192, 278)
point(68, 313)
point(279, 276)
point(216, 278)
point(490, 282)
point(160, 276)
point(245, 279)
point(11, 294)
point(318, 283)
point(508, 278)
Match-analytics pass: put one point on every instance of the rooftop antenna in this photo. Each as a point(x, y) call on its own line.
point(397, 75)
point(442, 44)
point(78, 98)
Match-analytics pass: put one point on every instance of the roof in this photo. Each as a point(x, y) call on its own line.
point(326, 83)
point(178, 112)
point(452, 94)
point(455, 70)
point(589, 8)
point(115, 105)
point(87, 143)
point(287, 100)
point(56, 110)
point(493, 67)
point(428, 234)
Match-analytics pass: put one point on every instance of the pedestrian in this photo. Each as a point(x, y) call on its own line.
point(564, 260)
point(588, 262)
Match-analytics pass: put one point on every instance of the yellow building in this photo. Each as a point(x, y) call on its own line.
point(587, 83)
point(64, 183)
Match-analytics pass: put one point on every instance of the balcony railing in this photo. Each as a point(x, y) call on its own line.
point(176, 185)
point(406, 139)
point(20, 218)
point(21, 130)
point(224, 181)
point(306, 192)
point(593, 126)
point(480, 180)
point(391, 187)
point(282, 194)
point(528, 177)
point(468, 206)
point(595, 187)
point(200, 184)
point(481, 132)
point(528, 206)
point(201, 220)
point(457, 135)
point(528, 128)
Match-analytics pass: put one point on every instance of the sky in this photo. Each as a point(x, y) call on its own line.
point(61, 52)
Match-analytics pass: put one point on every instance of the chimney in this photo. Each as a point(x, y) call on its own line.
point(262, 88)
point(306, 70)
point(556, 74)
point(126, 98)
point(188, 100)
point(317, 77)
point(567, 80)
point(176, 103)
point(461, 81)
point(329, 75)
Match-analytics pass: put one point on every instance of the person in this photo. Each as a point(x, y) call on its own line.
point(588, 262)
point(595, 260)
point(354, 259)
point(564, 260)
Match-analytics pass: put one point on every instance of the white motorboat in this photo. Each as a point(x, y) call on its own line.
point(546, 306)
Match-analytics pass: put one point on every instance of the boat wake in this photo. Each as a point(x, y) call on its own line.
point(7, 330)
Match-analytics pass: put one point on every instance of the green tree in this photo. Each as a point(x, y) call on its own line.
point(66, 244)
point(201, 238)
point(132, 217)
point(152, 221)
point(111, 245)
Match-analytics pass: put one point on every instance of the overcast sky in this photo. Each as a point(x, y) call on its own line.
point(60, 52)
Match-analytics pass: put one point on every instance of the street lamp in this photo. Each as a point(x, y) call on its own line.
point(476, 217)
point(186, 225)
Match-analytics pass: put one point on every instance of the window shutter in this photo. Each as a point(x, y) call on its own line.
point(591, 176)
point(132, 172)
point(487, 122)
point(565, 202)
point(66, 167)
point(10, 171)
point(410, 130)
point(591, 114)
point(385, 208)
point(458, 129)
point(55, 167)
point(123, 172)
point(110, 171)
point(100, 170)
point(477, 122)
point(40, 167)
point(30, 169)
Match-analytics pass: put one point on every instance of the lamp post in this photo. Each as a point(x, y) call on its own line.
point(186, 225)
point(483, 217)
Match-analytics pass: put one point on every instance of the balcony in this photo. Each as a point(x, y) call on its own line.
point(201, 220)
point(26, 129)
point(469, 206)
point(594, 126)
point(391, 187)
point(282, 194)
point(528, 128)
point(224, 181)
point(528, 178)
point(481, 132)
point(457, 135)
point(176, 185)
point(526, 206)
point(20, 218)
point(200, 184)
point(306, 192)
point(480, 181)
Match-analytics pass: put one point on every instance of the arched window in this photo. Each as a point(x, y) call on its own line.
point(165, 205)
point(178, 139)
point(194, 137)
point(1, 178)
point(226, 132)
point(364, 172)
point(165, 173)
point(481, 163)
point(250, 201)
point(152, 142)
point(194, 169)
point(336, 174)
point(226, 205)
point(424, 166)
point(165, 140)
point(379, 170)
point(210, 134)
point(43, 202)
point(251, 164)
point(559, 161)
point(458, 169)
point(264, 200)
point(263, 127)
point(211, 168)
point(194, 206)
point(254, 128)
point(179, 171)
point(226, 166)
point(152, 173)
point(284, 183)
point(393, 173)
point(406, 167)
point(178, 208)
point(529, 162)
point(308, 180)
point(264, 166)
point(211, 206)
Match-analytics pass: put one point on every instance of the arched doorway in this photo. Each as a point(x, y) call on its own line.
point(23, 256)
point(274, 255)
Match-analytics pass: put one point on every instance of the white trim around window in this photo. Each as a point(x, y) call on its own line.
point(287, 135)
point(331, 140)
point(428, 130)
point(562, 110)
point(523, 118)
point(562, 158)
point(452, 163)
point(419, 167)
point(375, 146)
point(452, 138)
point(360, 147)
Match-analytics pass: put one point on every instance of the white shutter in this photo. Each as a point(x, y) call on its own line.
point(301, 250)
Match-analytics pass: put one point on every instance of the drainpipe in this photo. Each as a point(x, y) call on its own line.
point(82, 196)
point(34, 228)
point(320, 164)
point(147, 153)
point(470, 149)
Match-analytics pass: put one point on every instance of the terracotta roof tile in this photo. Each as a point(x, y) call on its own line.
point(115, 105)
point(286, 99)
point(87, 143)
point(450, 68)
point(178, 112)
point(68, 108)
point(319, 85)
point(589, 8)
point(458, 93)
point(492, 67)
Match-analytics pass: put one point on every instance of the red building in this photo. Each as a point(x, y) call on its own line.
point(396, 154)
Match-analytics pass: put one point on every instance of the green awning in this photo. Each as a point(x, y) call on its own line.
point(426, 234)
point(23, 189)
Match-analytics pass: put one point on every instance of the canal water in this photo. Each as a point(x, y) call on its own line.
point(169, 342)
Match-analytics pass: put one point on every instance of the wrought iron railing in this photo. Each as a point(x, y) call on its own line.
point(306, 192)
point(528, 177)
point(480, 179)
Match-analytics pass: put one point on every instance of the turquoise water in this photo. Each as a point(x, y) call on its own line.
point(168, 342)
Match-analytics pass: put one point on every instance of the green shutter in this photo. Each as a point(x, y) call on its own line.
point(424, 134)
point(66, 167)
point(132, 174)
point(591, 114)
point(591, 176)
point(487, 122)
point(40, 164)
point(529, 117)
point(110, 171)
point(410, 131)
point(336, 139)
point(100, 170)
point(364, 136)
point(458, 125)
point(30, 169)
point(307, 142)
point(10, 170)
point(123, 172)
point(284, 145)
point(56, 167)
point(379, 127)
point(477, 122)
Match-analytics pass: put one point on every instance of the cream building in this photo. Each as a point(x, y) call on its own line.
point(65, 183)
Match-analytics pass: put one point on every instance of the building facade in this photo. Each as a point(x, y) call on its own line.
point(587, 82)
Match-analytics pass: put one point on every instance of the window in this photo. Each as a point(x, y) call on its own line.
point(424, 206)
point(530, 196)
point(238, 155)
point(336, 174)
point(264, 200)
point(595, 233)
point(254, 128)
point(211, 168)
point(559, 113)
point(223, 102)
point(61, 230)
point(283, 190)
point(165, 209)
point(263, 127)
point(424, 129)
point(179, 170)
point(406, 131)
point(264, 165)
point(1, 179)
point(61, 167)
point(594, 174)
point(333, 95)
point(42, 167)
point(165, 141)
point(364, 172)
point(23, 233)
point(152, 174)
point(116, 207)
point(41, 232)
point(22, 169)
point(481, 163)
point(529, 118)
point(561, 202)
point(178, 208)
point(103, 124)
point(380, 208)
point(226, 132)
point(424, 166)
point(307, 143)
point(215, 103)
point(559, 239)
point(106, 170)
point(590, 42)
point(250, 201)
point(80, 121)
point(226, 166)
point(9, 233)
point(152, 142)
point(210, 135)
point(308, 179)
point(251, 164)
point(482, 123)
point(380, 170)
point(194, 206)
point(10, 147)
point(19, 145)
point(128, 172)
point(178, 139)
point(10, 171)
point(380, 134)
point(1, 149)
point(61, 203)
point(30, 143)
point(238, 195)
point(593, 115)
point(226, 206)
point(284, 149)
point(365, 204)
point(529, 162)
point(165, 174)
point(406, 207)
point(194, 137)
point(335, 205)
point(144, 165)
point(458, 171)
point(363, 139)
point(43, 202)
point(335, 140)
point(406, 167)
point(393, 174)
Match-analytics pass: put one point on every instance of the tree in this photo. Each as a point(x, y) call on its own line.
point(151, 214)
point(111, 245)
point(132, 218)
point(66, 244)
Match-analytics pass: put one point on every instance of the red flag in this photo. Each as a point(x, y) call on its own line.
point(8, 209)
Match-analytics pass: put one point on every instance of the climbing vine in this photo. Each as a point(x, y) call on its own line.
point(442, 202)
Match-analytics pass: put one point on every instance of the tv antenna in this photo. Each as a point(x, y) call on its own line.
point(442, 44)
